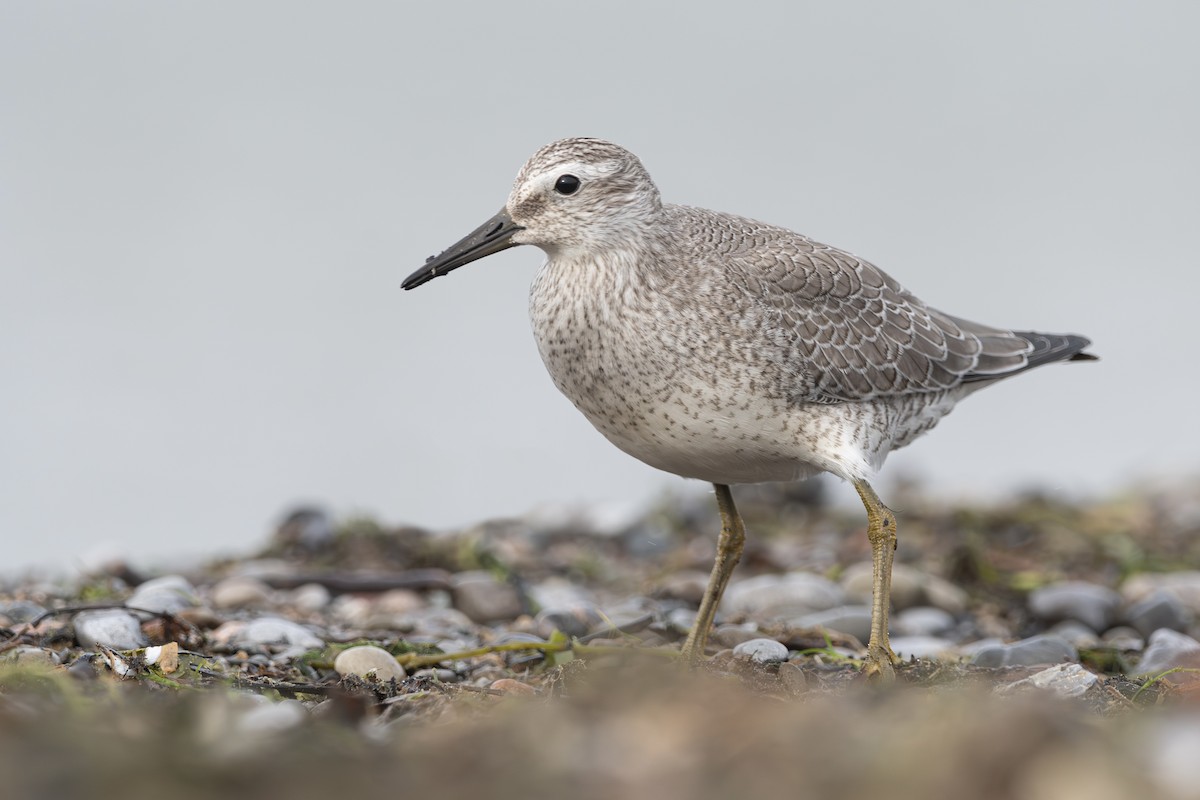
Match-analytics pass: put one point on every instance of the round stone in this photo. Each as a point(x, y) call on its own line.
point(761, 651)
point(368, 661)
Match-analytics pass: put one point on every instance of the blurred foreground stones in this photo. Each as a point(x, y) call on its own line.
point(1052, 652)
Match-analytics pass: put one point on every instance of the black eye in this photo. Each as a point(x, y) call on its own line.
point(566, 184)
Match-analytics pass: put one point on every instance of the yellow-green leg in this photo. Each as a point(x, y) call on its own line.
point(881, 530)
point(729, 552)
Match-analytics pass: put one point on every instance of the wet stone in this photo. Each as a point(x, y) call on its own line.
point(1158, 609)
point(1168, 649)
point(114, 628)
point(781, 596)
point(761, 651)
point(1093, 605)
point(27, 654)
point(1027, 652)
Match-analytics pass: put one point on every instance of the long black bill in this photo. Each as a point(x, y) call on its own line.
point(490, 237)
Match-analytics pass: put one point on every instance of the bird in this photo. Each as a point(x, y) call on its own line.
point(724, 349)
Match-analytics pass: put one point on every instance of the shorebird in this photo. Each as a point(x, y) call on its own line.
point(728, 350)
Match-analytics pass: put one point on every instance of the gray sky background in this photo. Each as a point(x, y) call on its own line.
point(206, 210)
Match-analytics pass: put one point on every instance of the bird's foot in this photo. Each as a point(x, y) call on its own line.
point(879, 665)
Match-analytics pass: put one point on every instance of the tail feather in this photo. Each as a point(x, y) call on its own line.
point(1042, 348)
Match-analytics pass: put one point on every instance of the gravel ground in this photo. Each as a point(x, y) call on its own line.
point(1052, 651)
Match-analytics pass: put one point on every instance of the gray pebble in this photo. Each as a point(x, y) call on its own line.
point(366, 661)
point(311, 597)
point(781, 596)
point(1123, 638)
point(853, 620)
point(908, 584)
point(1158, 609)
point(114, 628)
point(27, 654)
point(19, 611)
point(922, 621)
point(1076, 633)
point(268, 717)
point(267, 631)
point(1093, 605)
point(167, 594)
point(1184, 585)
point(1027, 652)
point(1065, 680)
point(733, 635)
point(761, 651)
point(483, 598)
point(1168, 649)
point(681, 620)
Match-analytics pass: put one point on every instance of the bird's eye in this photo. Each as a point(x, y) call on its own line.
point(566, 184)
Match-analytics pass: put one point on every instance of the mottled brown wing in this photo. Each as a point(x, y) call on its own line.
point(855, 332)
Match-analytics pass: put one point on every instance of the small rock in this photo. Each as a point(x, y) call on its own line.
point(1027, 652)
point(27, 654)
point(240, 592)
point(908, 584)
point(367, 661)
point(922, 621)
point(941, 593)
point(168, 594)
point(687, 586)
point(311, 597)
point(921, 646)
point(793, 678)
point(852, 620)
point(483, 598)
point(781, 596)
point(1093, 605)
point(266, 631)
point(1168, 649)
point(308, 527)
point(1076, 633)
point(439, 674)
point(1184, 586)
point(761, 651)
point(113, 628)
point(1158, 609)
point(681, 620)
point(513, 687)
point(1123, 638)
point(20, 611)
point(733, 635)
point(1065, 680)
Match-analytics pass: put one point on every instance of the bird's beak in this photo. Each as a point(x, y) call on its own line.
point(490, 237)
